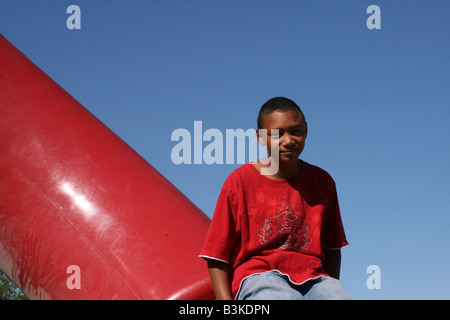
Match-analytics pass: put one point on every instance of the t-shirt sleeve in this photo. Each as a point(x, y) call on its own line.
point(222, 235)
point(333, 235)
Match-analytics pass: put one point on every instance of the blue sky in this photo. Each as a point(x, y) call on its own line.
point(376, 102)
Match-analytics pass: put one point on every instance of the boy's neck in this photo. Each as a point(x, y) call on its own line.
point(288, 170)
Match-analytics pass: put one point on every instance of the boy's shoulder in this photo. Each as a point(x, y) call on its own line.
point(241, 173)
point(316, 171)
point(316, 174)
point(241, 177)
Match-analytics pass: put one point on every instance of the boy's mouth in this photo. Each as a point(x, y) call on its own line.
point(288, 152)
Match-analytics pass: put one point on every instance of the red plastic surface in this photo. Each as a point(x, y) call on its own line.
point(72, 193)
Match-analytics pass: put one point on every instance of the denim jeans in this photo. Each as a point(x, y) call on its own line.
point(273, 285)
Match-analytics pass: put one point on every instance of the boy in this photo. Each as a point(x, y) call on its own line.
point(277, 235)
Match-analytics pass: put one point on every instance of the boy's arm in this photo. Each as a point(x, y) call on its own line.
point(332, 262)
point(218, 271)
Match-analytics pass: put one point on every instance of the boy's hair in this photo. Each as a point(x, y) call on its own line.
point(277, 104)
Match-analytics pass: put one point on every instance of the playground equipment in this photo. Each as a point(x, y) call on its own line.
point(82, 215)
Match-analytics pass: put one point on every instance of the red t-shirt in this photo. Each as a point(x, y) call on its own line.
point(261, 224)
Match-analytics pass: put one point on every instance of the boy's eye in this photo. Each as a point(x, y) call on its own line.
point(298, 133)
point(275, 133)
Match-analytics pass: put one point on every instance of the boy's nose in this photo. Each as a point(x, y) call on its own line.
point(288, 141)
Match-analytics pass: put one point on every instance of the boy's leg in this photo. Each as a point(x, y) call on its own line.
point(269, 285)
point(325, 288)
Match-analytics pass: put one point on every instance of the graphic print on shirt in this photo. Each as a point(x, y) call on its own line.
point(287, 230)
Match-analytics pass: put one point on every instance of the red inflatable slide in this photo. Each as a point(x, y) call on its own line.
point(82, 215)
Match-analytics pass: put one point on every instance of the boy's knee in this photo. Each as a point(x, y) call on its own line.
point(328, 288)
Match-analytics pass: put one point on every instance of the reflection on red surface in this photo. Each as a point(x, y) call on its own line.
point(72, 193)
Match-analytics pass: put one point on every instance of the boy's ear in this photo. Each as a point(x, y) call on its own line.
point(261, 139)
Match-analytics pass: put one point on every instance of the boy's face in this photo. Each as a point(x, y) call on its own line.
point(292, 131)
